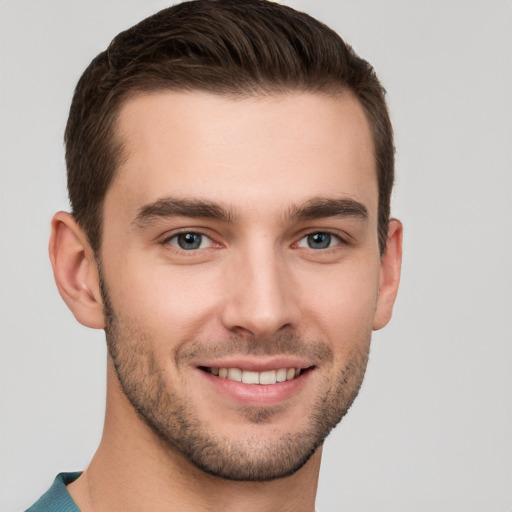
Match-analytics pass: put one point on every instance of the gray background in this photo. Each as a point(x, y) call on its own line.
point(432, 428)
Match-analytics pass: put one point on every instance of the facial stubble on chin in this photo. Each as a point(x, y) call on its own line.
point(173, 419)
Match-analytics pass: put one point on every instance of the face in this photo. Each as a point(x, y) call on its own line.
point(240, 268)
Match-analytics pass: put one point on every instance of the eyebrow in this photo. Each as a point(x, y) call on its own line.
point(315, 208)
point(168, 207)
point(318, 208)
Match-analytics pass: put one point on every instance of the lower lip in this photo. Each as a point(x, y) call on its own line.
point(257, 395)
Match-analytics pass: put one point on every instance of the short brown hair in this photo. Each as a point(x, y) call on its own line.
point(231, 47)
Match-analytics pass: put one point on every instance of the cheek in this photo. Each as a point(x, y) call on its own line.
point(344, 305)
point(165, 301)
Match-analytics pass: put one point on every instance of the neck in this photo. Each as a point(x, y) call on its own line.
point(133, 470)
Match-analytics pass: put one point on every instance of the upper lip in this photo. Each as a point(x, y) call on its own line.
point(257, 365)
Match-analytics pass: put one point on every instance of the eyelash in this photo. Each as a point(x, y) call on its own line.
point(337, 238)
point(168, 241)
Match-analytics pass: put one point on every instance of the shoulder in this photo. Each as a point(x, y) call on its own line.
point(57, 497)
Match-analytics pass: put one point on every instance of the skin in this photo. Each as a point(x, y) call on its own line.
point(254, 282)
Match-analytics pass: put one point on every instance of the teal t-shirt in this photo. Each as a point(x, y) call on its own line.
point(57, 497)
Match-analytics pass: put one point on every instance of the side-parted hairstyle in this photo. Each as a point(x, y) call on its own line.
point(238, 48)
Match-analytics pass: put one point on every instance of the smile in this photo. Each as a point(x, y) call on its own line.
point(264, 378)
point(257, 383)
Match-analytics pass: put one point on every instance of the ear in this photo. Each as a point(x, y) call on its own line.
point(391, 263)
point(76, 271)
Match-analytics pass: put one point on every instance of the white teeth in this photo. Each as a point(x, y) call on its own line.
point(250, 377)
point(269, 377)
point(235, 374)
point(281, 375)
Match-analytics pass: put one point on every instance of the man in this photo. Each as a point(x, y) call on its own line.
point(230, 166)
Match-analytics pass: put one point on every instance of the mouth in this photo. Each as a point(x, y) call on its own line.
point(263, 378)
point(257, 383)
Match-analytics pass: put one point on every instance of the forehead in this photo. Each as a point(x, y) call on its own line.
point(263, 151)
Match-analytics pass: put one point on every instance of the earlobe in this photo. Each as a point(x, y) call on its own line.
point(390, 267)
point(75, 270)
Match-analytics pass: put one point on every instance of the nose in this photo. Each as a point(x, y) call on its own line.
point(260, 295)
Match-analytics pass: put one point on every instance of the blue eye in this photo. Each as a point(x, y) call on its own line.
point(190, 241)
point(319, 240)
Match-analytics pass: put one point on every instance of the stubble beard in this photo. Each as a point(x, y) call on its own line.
point(174, 420)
